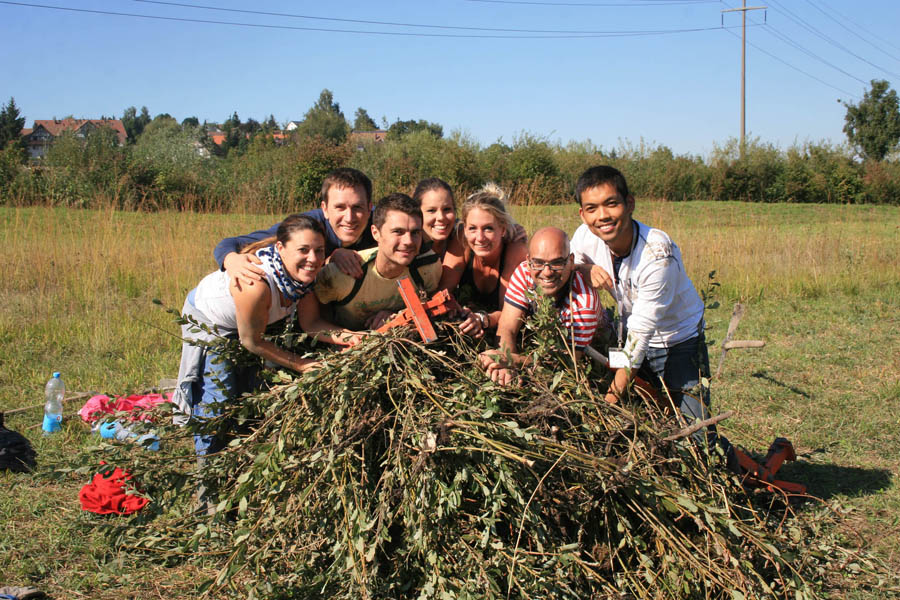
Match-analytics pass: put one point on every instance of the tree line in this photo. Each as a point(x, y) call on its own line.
point(172, 165)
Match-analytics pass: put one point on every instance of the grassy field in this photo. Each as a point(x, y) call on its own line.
point(821, 284)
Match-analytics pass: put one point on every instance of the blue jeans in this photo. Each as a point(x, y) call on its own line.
point(680, 368)
point(222, 382)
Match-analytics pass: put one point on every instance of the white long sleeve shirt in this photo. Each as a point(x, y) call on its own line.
point(656, 298)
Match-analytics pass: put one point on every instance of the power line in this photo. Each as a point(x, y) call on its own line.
point(798, 69)
point(841, 23)
point(777, 34)
point(787, 40)
point(367, 22)
point(364, 32)
point(791, 15)
point(861, 28)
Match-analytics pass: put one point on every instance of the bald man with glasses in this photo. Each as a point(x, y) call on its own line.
point(549, 270)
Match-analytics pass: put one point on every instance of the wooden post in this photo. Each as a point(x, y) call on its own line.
point(743, 10)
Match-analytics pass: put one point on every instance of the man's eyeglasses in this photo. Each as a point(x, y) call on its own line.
point(557, 264)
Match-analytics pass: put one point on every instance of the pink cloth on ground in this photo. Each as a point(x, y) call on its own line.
point(100, 405)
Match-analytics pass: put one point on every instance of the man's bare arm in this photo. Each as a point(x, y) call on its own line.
point(500, 364)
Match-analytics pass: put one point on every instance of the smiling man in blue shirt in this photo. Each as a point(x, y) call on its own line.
point(345, 213)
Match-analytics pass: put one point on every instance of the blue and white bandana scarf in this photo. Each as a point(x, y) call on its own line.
point(291, 288)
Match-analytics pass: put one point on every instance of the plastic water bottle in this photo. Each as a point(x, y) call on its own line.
point(53, 395)
point(115, 430)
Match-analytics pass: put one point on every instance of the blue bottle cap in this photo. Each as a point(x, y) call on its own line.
point(56, 374)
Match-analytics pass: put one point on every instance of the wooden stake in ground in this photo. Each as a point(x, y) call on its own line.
point(727, 344)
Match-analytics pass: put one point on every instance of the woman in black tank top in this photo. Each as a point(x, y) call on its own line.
point(479, 277)
point(435, 198)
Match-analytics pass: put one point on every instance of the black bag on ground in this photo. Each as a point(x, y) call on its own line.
point(16, 453)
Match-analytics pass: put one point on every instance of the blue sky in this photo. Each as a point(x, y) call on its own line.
point(681, 89)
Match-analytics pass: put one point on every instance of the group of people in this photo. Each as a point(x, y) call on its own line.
point(336, 268)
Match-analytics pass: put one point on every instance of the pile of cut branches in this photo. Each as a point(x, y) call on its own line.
point(400, 471)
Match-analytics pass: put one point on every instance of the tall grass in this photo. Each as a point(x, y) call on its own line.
point(767, 250)
point(77, 289)
point(77, 286)
point(821, 282)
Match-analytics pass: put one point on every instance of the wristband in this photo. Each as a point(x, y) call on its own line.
point(485, 319)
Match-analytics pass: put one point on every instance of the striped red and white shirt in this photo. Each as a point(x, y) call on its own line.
point(579, 309)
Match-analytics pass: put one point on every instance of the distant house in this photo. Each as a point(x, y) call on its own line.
point(292, 125)
point(217, 137)
point(214, 133)
point(45, 131)
point(361, 138)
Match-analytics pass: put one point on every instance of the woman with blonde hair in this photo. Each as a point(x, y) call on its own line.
point(478, 278)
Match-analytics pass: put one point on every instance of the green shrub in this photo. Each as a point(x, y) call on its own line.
point(169, 168)
point(277, 179)
point(165, 165)
point(531, 158)
point(530, 173)
point(82, 171)
point(11, 158)
point(399, 163)
point(881, 183)
point(753, 178)
point(576, 157)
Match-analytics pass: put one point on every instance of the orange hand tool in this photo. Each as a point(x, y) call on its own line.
point(763, 475)
point(754, 473)
point(420, 313)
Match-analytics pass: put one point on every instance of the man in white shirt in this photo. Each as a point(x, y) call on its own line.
point(659, 308)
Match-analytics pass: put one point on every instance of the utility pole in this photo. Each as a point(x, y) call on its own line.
point(743, 10)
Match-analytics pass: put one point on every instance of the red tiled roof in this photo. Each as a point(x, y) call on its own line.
point(55, 127)
point(26, 131)
point(217, 138)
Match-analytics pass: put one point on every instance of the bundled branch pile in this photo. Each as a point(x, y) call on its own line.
point(400, 471)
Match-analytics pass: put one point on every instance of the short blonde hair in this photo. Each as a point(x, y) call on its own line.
point(492, 199)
